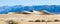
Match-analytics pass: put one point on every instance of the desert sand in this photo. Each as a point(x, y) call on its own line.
point(30, 18)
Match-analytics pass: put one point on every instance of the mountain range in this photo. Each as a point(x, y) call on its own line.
point(19, 8)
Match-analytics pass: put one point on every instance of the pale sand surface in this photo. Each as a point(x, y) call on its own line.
point(24, 18)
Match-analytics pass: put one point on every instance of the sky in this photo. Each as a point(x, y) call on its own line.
point(28, 2)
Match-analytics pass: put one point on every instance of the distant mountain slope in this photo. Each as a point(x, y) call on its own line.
point(18, 8)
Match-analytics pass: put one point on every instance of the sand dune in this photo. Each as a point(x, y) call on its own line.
point(24, 18)
point(35, 17)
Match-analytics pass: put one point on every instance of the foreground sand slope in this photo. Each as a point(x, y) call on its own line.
point(25, 18)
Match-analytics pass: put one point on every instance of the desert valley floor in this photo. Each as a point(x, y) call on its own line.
point(30, 19)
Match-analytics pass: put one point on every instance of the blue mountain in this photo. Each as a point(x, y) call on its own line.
point(18, 8)
point(53, 9)
point(4, 9)
point(28, 8)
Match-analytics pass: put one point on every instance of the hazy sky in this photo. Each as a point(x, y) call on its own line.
point(29, 2)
